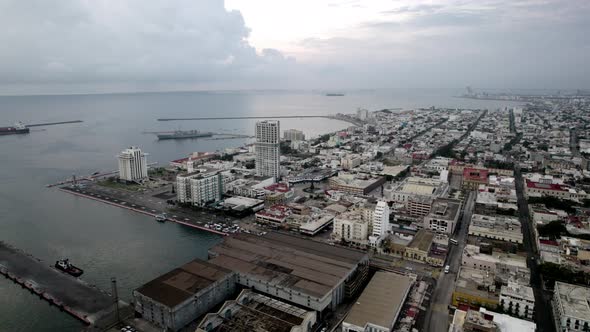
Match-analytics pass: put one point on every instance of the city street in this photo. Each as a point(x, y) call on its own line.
point(437, 317)
point(543, 312)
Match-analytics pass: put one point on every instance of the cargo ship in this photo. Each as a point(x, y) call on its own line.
point(334, 94)
point(18, 128)
point(65, 266)
point(180, 134)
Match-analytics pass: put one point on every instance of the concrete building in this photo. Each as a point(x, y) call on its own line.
point(474, 177)
point(475, 288)
point(410, 187)
point(518, 300)
point(504, 267)
point(571, 309)
point(252, 311)
point(501, 228)
point(132, 165)
point(268, 148)
point(355, 183)
point(293, 135)
point(199, 188)
point(484, 320)
point(351, 226)
point(423, 249)
point(380, 304)
point(443, 216)
point(308, 273)
point(380, 223)
point(350, 162)
point(180, 296)
point(539, 189)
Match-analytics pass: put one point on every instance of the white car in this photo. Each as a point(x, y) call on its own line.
point(447, 268)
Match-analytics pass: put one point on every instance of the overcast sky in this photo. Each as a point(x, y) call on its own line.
point(133, 45)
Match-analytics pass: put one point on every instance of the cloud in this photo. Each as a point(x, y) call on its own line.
point(134, 41)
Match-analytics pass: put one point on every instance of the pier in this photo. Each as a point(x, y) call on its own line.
point(352, 120)
point(87, 303)
point(52, 123)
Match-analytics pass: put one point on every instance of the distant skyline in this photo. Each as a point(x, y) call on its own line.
point(75, 46)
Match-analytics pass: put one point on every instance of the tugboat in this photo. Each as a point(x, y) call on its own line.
point(65, 266)
point(161, 217)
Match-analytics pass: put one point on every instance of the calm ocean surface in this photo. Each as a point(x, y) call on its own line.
point(107, 241)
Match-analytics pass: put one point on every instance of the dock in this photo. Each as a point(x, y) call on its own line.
point(52, 123)
point(87, 303)
point(124, 205)
point(352, 120)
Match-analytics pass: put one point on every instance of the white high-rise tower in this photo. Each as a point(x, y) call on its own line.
point(132, 164)
point(268, 148)
point(380, 223)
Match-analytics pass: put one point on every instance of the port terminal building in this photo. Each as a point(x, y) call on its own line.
point(301, 273)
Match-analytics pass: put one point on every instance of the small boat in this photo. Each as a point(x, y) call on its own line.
point(161, 217)
point(65, 266)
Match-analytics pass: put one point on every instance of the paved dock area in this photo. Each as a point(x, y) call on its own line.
point(87, 303)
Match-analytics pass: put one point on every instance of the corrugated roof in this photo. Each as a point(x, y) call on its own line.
point(380, 301)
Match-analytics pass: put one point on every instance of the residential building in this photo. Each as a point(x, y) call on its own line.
point(200, 188)
point(474, 177)
point(517, 299)
point(379, 305)
point(484, 320)
point(380, 223)
point(571, 309)
point(268, 148)
point(351, 226)
point(132, 165)
point(350, 162)
point(475, 288)
point(443, 216)
point(293, 135)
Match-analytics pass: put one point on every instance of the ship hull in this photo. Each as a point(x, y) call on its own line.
point(164, 137)
point(13, 131)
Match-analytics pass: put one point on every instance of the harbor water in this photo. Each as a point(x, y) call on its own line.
point(107, 241)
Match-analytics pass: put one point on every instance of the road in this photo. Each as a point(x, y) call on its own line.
point(437, 317)
point(543, 312)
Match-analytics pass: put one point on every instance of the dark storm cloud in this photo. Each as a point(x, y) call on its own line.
point(100, 41)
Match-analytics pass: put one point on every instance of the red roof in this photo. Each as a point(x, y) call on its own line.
point(278, 187)
point(549, 242)
point(545, 186)
point(475, 174)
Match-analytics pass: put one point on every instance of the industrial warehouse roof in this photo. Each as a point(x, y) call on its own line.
point(380, 302)
point(182, 283)
point(311, 267)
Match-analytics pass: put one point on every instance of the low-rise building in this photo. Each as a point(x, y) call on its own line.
point(518, 300)
point(474, 177)
point(571, 309)
point(276, 214)
point(475, 288)
point(379, 305)
point(484, 320)
point(252, 311)
point(180, 296)
point(423, 249)
point(502, 228)
point(443, 215)
point(360, 184)
point(504, 267)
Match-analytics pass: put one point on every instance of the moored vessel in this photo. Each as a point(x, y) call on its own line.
point(18, 128)
point(65, 266)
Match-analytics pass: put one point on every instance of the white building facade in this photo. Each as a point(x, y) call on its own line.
point(380, 223)
point(518, 300)
point(199, 189)
point(571, 309)
point(268, 148)
point(351, 227)
point(132, 164)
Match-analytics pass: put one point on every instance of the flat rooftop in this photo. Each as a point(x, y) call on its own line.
point(176, 286)
point(381, 300)
point(445, 208)
point(573, 300)
point(311, 267)
point(422, 240)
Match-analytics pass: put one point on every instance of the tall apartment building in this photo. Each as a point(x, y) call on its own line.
point(132, 164)
point(268, 148)
point(199, 188)
point(380, 223)
point(351, 226)
point(293, 135)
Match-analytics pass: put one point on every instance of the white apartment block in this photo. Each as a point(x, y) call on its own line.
point(351, 227)
point(268, 148)
point(380, 223)
point(293, 135)
point(132, 164)
point(199, 188)
point(443, 216)
point(518, 300)
point(571, 309)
